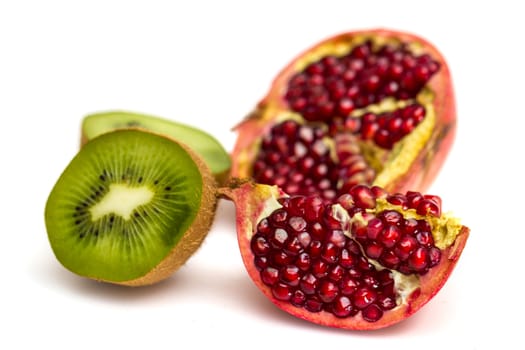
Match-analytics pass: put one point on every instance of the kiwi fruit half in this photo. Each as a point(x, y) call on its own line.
point(204, 144)
point(130, 208)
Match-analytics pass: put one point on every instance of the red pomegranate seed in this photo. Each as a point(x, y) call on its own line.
point(282, 292)
point(372, 313)
point(346, 259)
point(270, 275)
point(419, 259)
point(386, 302)
point(363, 297)
point(428, 206)
point(290, 275)
point(363, 197)
point(390, 235)
point(405, 246)
point(374, 228)
point(309, 284)
point(374, 250)
point(278, 238)
point(303, 261)
point(292, 247)
point(328, 291)
point(342, 306)
point(313, 304)
point(298, 298)
point(348, 285)
point(260, 245)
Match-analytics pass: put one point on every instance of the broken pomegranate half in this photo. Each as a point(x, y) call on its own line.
point(366, 260)
point(365, 107)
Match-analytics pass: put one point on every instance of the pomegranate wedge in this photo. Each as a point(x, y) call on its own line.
point(367, 260)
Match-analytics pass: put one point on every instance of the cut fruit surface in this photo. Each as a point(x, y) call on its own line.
point(365, 107)
point(367, 260)
point(204, 144)
point(130, 208)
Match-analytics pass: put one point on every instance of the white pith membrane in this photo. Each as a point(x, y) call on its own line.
point(444, 231)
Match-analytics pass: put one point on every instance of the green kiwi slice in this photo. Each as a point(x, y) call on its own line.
point(201, 142)
point(130, 208)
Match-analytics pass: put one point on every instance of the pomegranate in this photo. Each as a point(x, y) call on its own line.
point(369, 107)
point(366, 260)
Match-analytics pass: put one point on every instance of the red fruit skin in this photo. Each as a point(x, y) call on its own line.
point(428, 163)
point(249, 201)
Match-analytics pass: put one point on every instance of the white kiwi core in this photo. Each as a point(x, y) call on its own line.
point(121, 200)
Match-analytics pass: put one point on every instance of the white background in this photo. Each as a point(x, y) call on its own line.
point(207, 63)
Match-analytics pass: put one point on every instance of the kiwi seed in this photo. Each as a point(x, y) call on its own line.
point(130, 208)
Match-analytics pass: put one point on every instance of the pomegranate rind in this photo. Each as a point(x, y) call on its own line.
point(254, 201)
point(422, 169)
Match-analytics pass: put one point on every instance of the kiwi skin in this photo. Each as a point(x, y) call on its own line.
point(193, 237)
point(195, 234)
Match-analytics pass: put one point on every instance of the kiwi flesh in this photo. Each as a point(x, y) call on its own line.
point(204, 144)
point(130, 208)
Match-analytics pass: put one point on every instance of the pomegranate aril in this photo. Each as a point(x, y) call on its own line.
point(280, 258)
point(313, 304)
point(363, 297)
point(363, 197)
point(298, 298)
point(314, 249)
point(372, 313)
point(270, 275)
point(336, 273)
point(390, 259)
point(290, 275)
point(327, 291)
point(348, 285)
point(428, 206)
point(386, 302)
point(374, 228)
point(346, 259)
point(434, 256)
point(390, 235)
point(312, 208)
point(320, 268)
point(330, 253)
point(425, 238)
point(296, 223)
point(308, 284)
point(419, 259)
point(282, 292)
point(342, 307)
point(374, 250)
point(303, 261)
point(278, 238)
point(405, 246)
point(260, 245)
point(279, 217)
point(391, 217)
point(261, 262)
